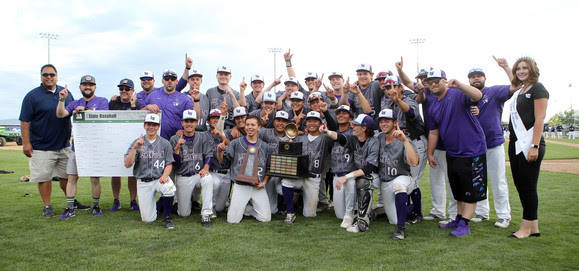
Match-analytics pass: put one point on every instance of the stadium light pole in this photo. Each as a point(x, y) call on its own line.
point(417, 42)
point(274, 51)
point(48, 37)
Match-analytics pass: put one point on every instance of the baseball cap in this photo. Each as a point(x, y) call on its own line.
point(291, 80)
point(87, 79)
point(269, 97)
point(436, 73)
point(387, 114)
point(298, 95)
point(392, 81)
point(363, 120)
point(189, 115)
point(256, 77)
point(126, 82)
point(170, 72)
point(364, 67)
point(422, 73)
point(314, 115)
point(335, 74)
point(224, 69)
point(476, 71)
point(345, 108)
point(214, 113)
point(239, 112)
point(382, 75)
point(311, 75)
point(314, 96)
point(282, 115)
point(152, 118)
point(195, 72)
point(146, 74)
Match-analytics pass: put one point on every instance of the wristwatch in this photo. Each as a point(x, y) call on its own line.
point(534, 146)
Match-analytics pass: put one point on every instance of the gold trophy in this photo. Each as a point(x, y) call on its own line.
point(289, 162)
point(248, 173)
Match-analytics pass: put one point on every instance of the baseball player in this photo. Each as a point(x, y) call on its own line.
point(313, 83)
point(193, 153)
point(317, 147)
point(358, 182)
point(397, 155)
point(257, 85)
point(223, 90)
point(368, 88)
point(88, 102)
point(247, 150)
point(200, 100)
point(571, 132)
point(221, 180)
point(152, 157)
point(267, 111)
point(148, 82)
point(125, 101)
point(559, 131)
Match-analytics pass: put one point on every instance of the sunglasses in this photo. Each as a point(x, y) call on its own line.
point(433, 81)
point(388, 87)
point(124, 89)
point(169, 78)
point(49, 74)
point(146, 79)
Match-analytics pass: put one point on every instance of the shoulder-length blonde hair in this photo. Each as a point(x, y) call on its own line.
point(533, 71)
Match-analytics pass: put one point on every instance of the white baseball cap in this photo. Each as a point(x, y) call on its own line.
point(256, 77)
point(363, 120)
point(335, 74)
point(214, 113)
point(224, 69)
point(364, 67)
point(345, 108)
point(297, 95)
point(282, 115)
point(195, 72)
point(392, 81)
point(269, 97)
point(146, 74)
point(291, 80)
point(314, 114)
point(189, 115)
point(436, 73)
point(311, 75)
point(239, 112)
point(152, 118)
point(387, 114)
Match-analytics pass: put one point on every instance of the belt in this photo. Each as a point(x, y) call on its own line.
point(313, 175)
point(146, 180)
point(221, 171)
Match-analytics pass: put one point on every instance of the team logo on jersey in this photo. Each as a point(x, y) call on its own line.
point(176, 103)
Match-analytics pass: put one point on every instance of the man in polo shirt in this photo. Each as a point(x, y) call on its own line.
point(125, 101)
point(45, 138)
point(223, 90)
point(489, 111)
point(88, 102)
point(463, 136)
point(172, 102)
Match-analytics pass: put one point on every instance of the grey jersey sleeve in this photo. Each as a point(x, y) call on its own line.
point(342, 156)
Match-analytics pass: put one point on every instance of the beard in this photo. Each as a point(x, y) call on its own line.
point(87, 95)
point(479, 86)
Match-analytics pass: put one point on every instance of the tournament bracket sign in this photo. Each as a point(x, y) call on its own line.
point(101, 139)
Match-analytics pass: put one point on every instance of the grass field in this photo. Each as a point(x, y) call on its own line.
point(120, 241)
point(555, 152)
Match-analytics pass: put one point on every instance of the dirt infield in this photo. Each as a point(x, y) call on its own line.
point(11, 146)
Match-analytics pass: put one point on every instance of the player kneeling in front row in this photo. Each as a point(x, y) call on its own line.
point(397, 155)
point(247, 157)
point(193, 153)
point(152, 157)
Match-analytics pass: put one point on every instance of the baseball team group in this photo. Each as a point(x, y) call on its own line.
point(211, 152)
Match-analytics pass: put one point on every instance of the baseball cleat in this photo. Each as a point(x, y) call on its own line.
point(168, 223)
point(289, 219)
point(462, 229)
point(47, 212)
point(414, 218)
point(68, 213)
point(502, 223)
point(80, 206)
point(479, 218)
point(206, 221)
point(214, 214)
point(97, 211)
point(353, 228)
point(347, 221)
point(399, 233)
point(431, 217)
point(116, 206)
point(134, 205)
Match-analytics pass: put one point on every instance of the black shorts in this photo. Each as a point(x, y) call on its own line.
point(468, 177)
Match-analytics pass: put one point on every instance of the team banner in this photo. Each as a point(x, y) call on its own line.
point(101, 139)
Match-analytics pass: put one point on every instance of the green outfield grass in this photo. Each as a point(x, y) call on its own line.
point(554, 152)
point(120, 241)
point(564, 139)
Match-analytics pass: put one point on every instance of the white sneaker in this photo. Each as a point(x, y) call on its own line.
point(431, 217)
point(446, 221)
point(502, 223)
point(479, 218)
point(347, 222)
point(353, 228)
point(289, 219)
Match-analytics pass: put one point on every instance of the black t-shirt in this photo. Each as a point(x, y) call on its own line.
point(118, 105)
point(526, 106)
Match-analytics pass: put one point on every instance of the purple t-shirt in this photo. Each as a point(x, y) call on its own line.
point(490, 111)
point(460, 131)
point(429, 99)
point(142, 95)
point(172, 106)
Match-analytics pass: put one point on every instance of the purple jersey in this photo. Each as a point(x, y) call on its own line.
point(429, 99)
point(460, 131)
point(142, 95)
point(172, 106)
point(96, 103)
point(490, 111)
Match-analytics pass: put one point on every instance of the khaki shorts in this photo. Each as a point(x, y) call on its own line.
point(71, 165)
point(44, 165)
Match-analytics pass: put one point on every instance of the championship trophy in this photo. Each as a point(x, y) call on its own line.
point(289, 162)
point(248, 173)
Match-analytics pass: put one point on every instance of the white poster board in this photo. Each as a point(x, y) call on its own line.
point(101, 139)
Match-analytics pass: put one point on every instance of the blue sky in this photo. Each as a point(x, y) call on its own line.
point(113, 40)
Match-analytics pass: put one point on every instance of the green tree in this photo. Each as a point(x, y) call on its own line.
point(566, 118)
